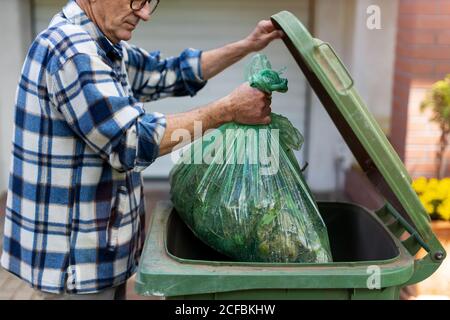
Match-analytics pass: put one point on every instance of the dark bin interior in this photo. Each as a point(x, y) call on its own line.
point(355, 235)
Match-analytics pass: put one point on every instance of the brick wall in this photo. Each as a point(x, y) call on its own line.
point(422, 57)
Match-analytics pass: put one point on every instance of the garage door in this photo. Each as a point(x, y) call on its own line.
point(206, 24)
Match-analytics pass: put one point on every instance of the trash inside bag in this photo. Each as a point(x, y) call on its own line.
point(241, 191)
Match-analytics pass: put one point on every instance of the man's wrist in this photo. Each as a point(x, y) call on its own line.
point(224, 111)
point(246, 47)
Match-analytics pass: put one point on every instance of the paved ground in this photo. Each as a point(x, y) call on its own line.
point(12, 288)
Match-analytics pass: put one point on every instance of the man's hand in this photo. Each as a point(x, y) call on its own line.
point(215, 61)
point(264, 33)
point(244, 105)
point(250, 106)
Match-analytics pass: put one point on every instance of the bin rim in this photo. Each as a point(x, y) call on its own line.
point(161, 274)
point(368, 143)
point(403, 254)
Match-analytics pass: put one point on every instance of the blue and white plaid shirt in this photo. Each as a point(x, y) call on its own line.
point(75, 209)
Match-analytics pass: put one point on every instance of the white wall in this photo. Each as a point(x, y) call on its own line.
point(16, 36)
point(369, 56)
point(373, 58)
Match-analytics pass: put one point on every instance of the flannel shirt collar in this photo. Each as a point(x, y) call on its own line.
point(76, 15)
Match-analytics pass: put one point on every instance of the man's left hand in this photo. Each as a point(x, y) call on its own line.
point(264, 33)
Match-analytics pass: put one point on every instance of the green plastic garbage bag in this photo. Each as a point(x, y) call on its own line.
point(241, 191)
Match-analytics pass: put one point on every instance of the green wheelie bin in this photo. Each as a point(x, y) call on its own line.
point(374, 253)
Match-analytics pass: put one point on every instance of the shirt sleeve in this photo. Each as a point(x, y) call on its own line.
point(153, 78)
point(86, 91)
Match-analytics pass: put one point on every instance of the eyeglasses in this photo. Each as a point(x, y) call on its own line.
point(137, 5)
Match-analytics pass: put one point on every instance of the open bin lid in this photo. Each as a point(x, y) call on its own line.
point(335, 88)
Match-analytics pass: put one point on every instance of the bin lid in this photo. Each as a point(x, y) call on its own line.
point(335, 88)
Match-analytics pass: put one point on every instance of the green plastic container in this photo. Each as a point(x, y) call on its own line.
point(374, 253)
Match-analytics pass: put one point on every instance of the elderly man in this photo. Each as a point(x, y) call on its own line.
point(75, 210)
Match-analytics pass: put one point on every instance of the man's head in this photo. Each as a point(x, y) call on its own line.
point(118, 18)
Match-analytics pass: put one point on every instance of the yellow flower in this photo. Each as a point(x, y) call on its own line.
point(434, 195)
point(420, 185)
point(433, 184)
point(445, 182)
point(444, 210)
point(444, 187)
point(441, 193)
point(427, 204)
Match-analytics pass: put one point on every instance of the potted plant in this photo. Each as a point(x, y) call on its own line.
point(438, 101)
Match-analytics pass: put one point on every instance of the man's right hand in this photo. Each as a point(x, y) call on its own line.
point(245, 105)
point(250, 106)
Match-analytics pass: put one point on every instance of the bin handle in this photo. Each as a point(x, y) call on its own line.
point(338, 69)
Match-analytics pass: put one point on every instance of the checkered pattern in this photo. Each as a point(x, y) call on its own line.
point(75, 204)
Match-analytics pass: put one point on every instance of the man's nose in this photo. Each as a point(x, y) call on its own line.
point(144, 13)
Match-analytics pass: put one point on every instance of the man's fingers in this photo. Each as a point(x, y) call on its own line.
point(267, 25)
point(280, 34)
point(267, 120)
point(277, 34)
point(267, 111)
point(269, 37)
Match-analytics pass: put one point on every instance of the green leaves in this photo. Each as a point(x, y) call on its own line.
point(438, 101)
